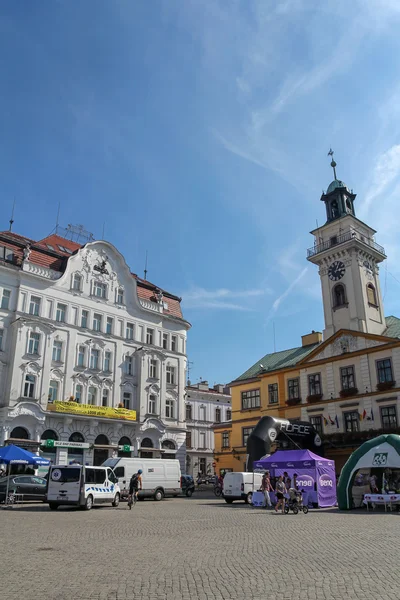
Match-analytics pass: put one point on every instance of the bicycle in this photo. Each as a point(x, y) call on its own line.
point(132, 499)
point(217, 491)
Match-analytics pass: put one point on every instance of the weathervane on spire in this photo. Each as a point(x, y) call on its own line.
point(333, 164)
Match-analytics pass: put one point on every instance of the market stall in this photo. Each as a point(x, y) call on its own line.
point(315, 475)
point(371, 476)
point(13, 455)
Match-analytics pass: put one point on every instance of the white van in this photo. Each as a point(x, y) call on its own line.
point(78, 485)
point(240, 486)
point(160, 477)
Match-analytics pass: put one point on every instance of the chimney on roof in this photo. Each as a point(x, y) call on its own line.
point(203, 385)
point(315, 337)
point(219, 388)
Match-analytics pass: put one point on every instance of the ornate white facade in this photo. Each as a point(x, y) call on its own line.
point(204, 408)
point(77, 325)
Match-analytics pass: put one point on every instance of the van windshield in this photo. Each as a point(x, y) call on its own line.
point(110, 462)
point(66, 474)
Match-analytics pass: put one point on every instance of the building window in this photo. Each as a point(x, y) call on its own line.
point(202, 413)
point(371, 295)
point(109, 325)
point(77, 282)
point(128, 365)
point(61, 312)
point(104, 397)
point(170, 375)
point(203, 466)
point(202, 441)
point(339, 296)
point(218, 415)
point(129, 331)
point(34, 343)
point(99, 289)
point(170, 408)
point(293, 389)
point(228, 414)
point(225, 439)
point(94, 359)
point(388, 417)
point(1, 339)
point(188, 412)
point(188, 439)
point(273, 393)
point(126, 400)
point(120, 296)
point(173, 343)
point(347, 378)
point(314, 384)
point(84, 318)
point(246, 431)
point(316, 422)
point(81, 356)
point(5, 299)
point(96, 322)
point(57, 351)
point(384, 369)
point(152, 404)
point(6, 254)
point(351, 421)
point(150, 336)
point(165, 341)
point(78, 392)
point(29, 386)
point(34, 306)
point(107, 362)
point(53, 391)
point(153, 369)
point(92, 392)
point(251, 399)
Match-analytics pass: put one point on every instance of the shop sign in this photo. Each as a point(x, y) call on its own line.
point(126, 448)
point(89, 410)
point(61, 444)
point(380, 459)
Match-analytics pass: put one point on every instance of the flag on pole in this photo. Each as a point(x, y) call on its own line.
point(331, 420)
point(364, 414)
point(372, 415)
point(325, 421)
point(337, 421)
point(360, 416)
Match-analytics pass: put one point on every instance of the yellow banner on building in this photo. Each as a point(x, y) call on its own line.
point(92, 411)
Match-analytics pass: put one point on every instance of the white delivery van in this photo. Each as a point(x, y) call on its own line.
point(160, 477)
point(240, 486)
point(83, 486)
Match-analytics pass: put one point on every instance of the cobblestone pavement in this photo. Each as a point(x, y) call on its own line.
point(197, 549)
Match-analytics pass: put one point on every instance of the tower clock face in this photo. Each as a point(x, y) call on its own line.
point(336, 270)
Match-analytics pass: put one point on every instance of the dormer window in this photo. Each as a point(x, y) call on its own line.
point(120, 296)
point(99, 289)
point(77, 282)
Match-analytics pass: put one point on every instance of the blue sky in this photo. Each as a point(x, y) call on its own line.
point(198, 130)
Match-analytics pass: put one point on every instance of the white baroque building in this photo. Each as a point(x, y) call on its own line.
point(77, 326)
point(205, 407)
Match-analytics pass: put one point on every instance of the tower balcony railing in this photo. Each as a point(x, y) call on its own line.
point(341, 239)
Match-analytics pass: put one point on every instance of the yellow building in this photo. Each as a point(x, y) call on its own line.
point(343, 381)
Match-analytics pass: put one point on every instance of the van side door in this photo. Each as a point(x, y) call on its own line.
point(102, 486)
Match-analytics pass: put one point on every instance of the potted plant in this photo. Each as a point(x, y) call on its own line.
point(351, 391)
point(385, 385)
point(314, 398)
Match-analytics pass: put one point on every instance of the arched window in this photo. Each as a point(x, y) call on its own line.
point(124, 441)
point(102, 440)
point(19, 433)
point(334, 209)
point(371, 295)
point(76, 453)
point(77, 282)
point(147, 443)
point(168, 445)
point(339, 295)
point(49, 450)
point(76, 437)
point(49, 434)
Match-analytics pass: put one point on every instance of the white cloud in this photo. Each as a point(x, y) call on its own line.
point(288, 290)
point(386, 171)
point(222, 298)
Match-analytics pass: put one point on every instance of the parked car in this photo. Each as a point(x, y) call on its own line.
point(187, 485)
point(31, 487)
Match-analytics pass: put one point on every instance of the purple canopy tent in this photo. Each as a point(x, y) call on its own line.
point(314, 473)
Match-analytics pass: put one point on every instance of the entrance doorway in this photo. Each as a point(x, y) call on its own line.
point(146, 443)
point(100, 455)
point(168, 445)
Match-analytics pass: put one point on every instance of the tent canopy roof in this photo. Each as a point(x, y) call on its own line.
point(14, 455)
point(284, 456)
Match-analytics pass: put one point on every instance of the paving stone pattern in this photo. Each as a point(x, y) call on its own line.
point(197, 549)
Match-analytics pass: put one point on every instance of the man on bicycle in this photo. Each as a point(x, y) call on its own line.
point(134, 485)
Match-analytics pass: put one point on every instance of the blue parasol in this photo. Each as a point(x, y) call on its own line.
point(13, 455)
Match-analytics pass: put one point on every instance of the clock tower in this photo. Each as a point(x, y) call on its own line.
point(348, 259)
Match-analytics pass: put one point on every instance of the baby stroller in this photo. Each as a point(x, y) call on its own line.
point(295, 502)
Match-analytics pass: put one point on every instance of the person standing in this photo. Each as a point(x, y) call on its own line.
point(280, 494)
point(266, 487)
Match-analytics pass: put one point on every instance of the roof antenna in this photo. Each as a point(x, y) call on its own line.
point(11, 221)
point(273, 323)
point(102, 235)
point(58, 216)
point(145, 268)
point(333, 164)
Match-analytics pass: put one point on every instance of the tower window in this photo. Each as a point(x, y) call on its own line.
point(348, 206)
point(339, 296)
point(371, 295)
point(334, 209)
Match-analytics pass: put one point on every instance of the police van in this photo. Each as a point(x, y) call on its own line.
point(83, 486)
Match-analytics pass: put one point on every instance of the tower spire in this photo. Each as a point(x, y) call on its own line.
point(333, 164)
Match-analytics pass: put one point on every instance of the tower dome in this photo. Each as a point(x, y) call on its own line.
point(336, 183)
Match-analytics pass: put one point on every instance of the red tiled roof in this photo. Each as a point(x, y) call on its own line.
point(55, 259)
